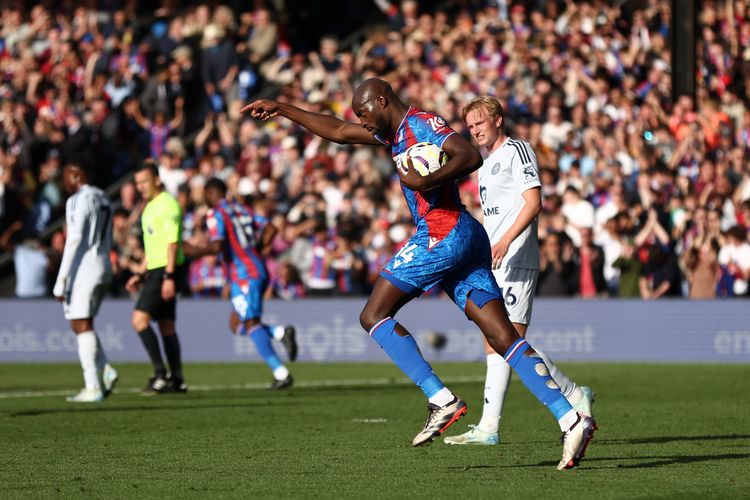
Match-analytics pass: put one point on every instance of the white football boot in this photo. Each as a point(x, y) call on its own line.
point(86, 396)
point(109, 379)
point(474, 435)
point(439, 418)
point(575, 440)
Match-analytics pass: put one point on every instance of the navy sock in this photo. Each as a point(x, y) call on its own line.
point(172, 350)
point(148, 337)
point(406, 355)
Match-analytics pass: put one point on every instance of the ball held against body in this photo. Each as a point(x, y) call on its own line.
point(426, 158)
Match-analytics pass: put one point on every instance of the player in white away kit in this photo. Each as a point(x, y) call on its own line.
point(510, 193)
point(85, 274)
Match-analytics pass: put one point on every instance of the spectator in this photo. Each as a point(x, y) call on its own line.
point(703, 271)
point(31, 263)
point(159, 130)
point(578, 213)
point(208, 277)
point(630, 267)
point(322, 279)
point(660, 276)
point(286, 283)
point(734, 258)
point(555, 131)
point(170, 173)
point(348, 262)
point(263, 38)
point(589, 262)
point(219, 66)
point(556, 268)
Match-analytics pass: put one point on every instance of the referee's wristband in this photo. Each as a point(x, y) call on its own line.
point(167, 276)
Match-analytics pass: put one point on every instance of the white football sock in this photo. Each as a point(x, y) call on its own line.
point(87, 355)
point(443, 397)
point(101, 357)
point(277, 331)
point(281, 373)
point(570, 390)
point(496, 386)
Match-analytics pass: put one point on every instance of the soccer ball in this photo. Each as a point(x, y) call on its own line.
point(426, 158)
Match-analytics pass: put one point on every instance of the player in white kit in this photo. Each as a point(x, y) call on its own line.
point(510, 194)
point(84, 276)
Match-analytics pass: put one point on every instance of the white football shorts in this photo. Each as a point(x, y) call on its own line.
point(85, 297)
point(518, 286)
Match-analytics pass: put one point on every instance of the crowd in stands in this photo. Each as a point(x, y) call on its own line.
point(644, 195)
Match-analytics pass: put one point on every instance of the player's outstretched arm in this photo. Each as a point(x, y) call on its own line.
point(325, 126)
point(464, 159)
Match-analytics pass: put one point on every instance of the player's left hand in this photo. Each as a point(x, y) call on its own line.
point(410, 178)
point(498, 253)
point(167, 289)
point(59, 298)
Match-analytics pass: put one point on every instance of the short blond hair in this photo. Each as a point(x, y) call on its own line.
point(486, 103)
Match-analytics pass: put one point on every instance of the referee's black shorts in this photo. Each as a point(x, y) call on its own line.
point(150, 300)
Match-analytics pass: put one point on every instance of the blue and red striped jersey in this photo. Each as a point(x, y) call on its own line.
point(436, 210)
point(239, 229)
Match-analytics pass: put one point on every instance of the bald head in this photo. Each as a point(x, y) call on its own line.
point(378, 107)
point(372, 88)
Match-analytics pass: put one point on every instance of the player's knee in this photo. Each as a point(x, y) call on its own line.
point(78, 326)
point(369, 318)
point(139, 322)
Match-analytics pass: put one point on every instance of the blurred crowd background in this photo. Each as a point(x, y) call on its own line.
point(645, 195)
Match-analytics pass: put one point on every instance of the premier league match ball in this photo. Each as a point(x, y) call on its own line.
point(426, 158)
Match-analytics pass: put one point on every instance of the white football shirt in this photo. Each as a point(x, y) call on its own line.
point(88, 217)
point(504, 176)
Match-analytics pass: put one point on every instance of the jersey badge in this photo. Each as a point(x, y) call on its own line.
point(495, 168)
point(436, 123)
point(529, 173)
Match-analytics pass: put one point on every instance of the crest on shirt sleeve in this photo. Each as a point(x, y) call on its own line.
point(529, 174)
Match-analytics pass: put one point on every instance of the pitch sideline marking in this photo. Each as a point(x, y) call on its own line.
point(309, 384)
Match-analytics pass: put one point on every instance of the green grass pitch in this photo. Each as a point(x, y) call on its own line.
point(665, 431)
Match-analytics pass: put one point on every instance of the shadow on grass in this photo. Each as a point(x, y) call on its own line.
point(137, 408)
point(592, 463)
point(669, 439)
point(678, 460)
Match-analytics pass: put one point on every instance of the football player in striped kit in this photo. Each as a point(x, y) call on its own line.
point(84, 277)
point(241, 235)
point(449, 248)
point(510, 194)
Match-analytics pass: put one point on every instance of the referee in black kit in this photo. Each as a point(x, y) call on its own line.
point(163, 268)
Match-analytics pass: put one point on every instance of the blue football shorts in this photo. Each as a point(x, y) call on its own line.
point(460, 263)
point(247, 298)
